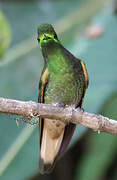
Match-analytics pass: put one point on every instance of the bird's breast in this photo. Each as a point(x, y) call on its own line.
point(65, 84)
point(62, 88)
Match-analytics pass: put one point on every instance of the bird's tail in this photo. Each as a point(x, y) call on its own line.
point(50, 146)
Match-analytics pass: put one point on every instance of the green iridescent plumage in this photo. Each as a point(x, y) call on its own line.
point(64, 81)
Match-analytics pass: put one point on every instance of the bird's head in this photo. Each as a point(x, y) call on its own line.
point(46, 33)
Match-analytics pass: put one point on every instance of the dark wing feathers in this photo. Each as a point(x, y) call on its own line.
point(42, 89)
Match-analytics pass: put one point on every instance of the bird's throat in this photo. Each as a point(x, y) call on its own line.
point(50, 47)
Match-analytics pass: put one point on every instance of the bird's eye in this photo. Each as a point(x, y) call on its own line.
point(55, 36)
point(38, 39)
point(44, 35)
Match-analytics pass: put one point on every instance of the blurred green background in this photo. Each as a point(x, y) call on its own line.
point(90, 156)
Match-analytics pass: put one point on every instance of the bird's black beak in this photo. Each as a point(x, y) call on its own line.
point(38, 39)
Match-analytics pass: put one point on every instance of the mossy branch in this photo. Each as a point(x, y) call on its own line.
point(31, 109)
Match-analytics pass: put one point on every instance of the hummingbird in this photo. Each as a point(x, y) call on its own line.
point(63, 82)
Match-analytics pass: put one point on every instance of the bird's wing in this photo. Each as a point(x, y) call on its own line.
point(42, 89)
point(51, 131)
point(86, 79)
point(85, 74)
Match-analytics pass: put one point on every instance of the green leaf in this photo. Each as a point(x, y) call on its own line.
point(5, 34)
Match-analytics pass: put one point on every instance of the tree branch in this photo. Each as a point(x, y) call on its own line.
point(31, 109)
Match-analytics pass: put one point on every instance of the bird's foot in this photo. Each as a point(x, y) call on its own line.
point(59, 105)
point(80, 109)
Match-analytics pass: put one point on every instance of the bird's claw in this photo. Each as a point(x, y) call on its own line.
point(80, 109)
point(62, 105)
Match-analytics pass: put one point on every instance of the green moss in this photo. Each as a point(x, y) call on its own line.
point(5, 34)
